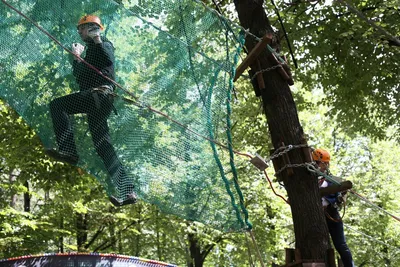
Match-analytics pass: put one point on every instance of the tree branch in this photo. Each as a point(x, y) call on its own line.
point(107, 243)
point(371, 23)
point(98, 232)
point(209, 247)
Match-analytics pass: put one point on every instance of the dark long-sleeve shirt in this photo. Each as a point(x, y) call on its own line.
point(101, 56)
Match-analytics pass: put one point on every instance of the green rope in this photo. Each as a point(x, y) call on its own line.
point(215, 153)
point(228, 133)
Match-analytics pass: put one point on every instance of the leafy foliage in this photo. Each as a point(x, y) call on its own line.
point(354, 64)
point(62, 197)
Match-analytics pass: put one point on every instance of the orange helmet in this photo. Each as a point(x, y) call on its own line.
point(90, 19)
point(321, 155)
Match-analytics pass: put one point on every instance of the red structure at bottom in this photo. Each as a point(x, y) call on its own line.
point(80, 260)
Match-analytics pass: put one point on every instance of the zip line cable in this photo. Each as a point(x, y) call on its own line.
point(374, 205)
point(371, 237)
point(312, 168)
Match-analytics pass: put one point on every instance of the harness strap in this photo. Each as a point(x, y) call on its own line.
point(105, 90)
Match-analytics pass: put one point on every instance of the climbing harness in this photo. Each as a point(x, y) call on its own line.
point(107, 91)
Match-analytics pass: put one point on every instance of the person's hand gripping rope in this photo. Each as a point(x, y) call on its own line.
point(77, 49)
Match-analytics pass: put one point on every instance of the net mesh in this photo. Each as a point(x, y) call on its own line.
point(176, 57)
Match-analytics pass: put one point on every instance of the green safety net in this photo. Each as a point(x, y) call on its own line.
point(167, 132)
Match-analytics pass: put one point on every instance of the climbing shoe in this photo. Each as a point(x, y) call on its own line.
point(62, 156)
point(130, 199)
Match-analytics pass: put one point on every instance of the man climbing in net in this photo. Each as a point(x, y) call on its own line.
point(331, 204)
point(95, 99)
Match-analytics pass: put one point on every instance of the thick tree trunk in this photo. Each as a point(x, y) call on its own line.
point(196, 255)
point(310, 228)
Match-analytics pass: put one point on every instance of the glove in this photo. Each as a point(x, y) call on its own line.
point(94, 32)
point(77, 49)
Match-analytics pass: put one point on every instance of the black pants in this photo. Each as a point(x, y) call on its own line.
point(335, 226)
point(98, 108)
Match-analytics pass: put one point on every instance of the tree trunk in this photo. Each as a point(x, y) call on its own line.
point(139, 228)
point(82, 230)
point(61, 237)
point(310, 228)
point(13, 179)
point(158, 237)
point(27, 198)
point(196, 255)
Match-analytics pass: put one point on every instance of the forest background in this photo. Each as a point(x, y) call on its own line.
point(347, 94)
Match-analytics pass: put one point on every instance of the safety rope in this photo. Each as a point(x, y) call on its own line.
point(374, 205)
point(285, 34)
point(273, 189)
point(330, 217)
point(224, 21)
point(249, 251)
point(219, 164)
point(257, 248)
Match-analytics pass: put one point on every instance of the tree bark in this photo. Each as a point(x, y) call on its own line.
point(310, 228)
point(195, 252)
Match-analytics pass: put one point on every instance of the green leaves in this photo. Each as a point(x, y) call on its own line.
point(351, 60)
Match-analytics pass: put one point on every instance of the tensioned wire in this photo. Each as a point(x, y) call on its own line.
point(370, 237)
point(310, 167)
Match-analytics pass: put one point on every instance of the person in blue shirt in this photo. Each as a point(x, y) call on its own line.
point(330, 204)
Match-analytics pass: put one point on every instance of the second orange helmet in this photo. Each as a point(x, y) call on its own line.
point(321, 155)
